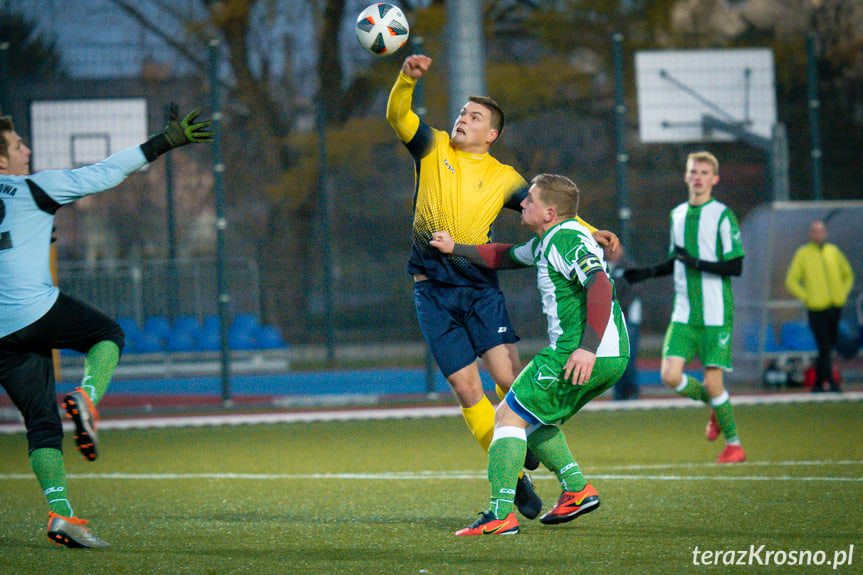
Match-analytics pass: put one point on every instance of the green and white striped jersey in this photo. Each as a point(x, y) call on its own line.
point(564, 257)
point(710, 233)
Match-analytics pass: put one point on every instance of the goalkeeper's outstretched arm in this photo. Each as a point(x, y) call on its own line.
point(178, 133)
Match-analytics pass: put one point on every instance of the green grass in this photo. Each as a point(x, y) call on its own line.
point(297, 509)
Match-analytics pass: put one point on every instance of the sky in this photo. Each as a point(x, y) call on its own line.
point(98, 40)
point(95, 39)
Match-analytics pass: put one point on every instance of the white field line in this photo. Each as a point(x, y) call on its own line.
point(648, 466)
point(461, 475)
point(423, 412)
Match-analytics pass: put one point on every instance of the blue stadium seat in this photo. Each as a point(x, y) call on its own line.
point(186, 323)
point(246, 322)
point(129, 326)
point(181, 341)
point(207, 338)
point(796, 336)
point(241, 339)
point(752, 335)
point(157, 325)
point(269, 337)
point(211, 322)
point(144, 342)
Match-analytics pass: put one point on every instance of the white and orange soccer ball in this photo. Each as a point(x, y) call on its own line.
point(382, 29)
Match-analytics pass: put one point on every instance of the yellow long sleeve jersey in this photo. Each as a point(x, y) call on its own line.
point(820, 276)
point(459, 192)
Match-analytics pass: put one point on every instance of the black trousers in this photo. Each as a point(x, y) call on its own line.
point(825, 327)
point(27, 366)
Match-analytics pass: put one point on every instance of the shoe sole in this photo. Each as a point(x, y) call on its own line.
point(586, 507)
point(61, 538)
point(472, 533)
point(507, 532)
point(84, 433)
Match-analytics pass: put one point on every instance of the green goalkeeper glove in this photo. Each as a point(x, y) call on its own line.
point(187, 131)
point(176, 134)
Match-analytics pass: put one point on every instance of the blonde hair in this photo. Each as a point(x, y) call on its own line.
point(705, 157)
point(559, 192)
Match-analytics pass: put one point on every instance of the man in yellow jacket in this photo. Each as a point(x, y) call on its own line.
point(821, 278)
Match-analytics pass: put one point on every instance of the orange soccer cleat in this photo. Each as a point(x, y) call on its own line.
point(83, 413)
point(488, 524)
point(572, 504)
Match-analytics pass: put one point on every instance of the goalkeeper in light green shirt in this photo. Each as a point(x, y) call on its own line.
point(588, 352)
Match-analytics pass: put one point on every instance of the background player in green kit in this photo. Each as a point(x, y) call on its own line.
point(588, 351)
point(704, 253)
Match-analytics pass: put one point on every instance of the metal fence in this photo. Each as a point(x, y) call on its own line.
point(170, 288)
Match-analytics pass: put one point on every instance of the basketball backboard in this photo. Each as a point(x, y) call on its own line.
point(678, 88)
point(73, 133)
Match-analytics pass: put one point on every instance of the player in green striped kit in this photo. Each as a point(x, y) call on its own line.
point(588, 352)
point(704, 253)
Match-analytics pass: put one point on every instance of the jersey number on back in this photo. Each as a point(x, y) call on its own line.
point(5, 238)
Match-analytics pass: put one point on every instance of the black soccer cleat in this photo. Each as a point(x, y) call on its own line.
point(531, 461)
point(527, 501)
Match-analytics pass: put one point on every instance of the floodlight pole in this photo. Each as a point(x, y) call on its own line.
point(173, 304)
point(621, 158)
point(223, 297)
point(814, 108)
point(5, 76)
point(465, 52)
point(776, 148)
point(325, 200)
point(419, 106)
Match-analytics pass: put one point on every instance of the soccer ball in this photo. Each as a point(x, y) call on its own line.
point(382, 29)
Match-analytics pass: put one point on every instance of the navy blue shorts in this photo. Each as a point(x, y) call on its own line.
point(460, 323)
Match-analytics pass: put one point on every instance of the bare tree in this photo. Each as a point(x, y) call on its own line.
point(272, 210)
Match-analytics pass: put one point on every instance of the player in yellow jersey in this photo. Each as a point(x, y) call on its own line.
point(461, 311)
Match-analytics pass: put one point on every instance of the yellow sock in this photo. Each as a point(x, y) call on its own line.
point(501, 392)
point(480, 421)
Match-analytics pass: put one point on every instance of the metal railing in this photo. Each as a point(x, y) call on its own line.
point(163, 287)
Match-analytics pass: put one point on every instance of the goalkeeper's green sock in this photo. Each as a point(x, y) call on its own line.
point(549, 444)
point(725, 418)
point(50, 471)
point(505, 459)
point(99, 366)
point(693, 389)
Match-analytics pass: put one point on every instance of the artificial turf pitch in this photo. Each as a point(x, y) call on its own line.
point(386, 496)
